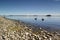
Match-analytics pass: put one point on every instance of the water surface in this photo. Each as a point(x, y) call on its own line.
point(49, 23)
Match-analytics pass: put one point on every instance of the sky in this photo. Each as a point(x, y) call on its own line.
point(27, 7)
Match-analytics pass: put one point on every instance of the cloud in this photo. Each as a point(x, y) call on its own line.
point(56, 0)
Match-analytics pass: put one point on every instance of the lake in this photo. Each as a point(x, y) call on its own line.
point(48, 23)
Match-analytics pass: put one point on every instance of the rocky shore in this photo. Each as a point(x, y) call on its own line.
point(17, 30)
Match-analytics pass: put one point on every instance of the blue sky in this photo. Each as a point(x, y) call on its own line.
point(18, 7)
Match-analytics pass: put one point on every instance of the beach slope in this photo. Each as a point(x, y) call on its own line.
point(16, 30)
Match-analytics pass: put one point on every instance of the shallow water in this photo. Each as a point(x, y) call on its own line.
point(49, 23)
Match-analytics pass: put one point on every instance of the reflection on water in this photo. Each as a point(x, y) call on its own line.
point(48, 23)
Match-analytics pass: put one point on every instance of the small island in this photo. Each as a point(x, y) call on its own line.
point(48, 15)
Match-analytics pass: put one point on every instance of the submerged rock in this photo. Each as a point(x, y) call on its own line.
point(35, 18)
point(16, 30)
point(42, 19)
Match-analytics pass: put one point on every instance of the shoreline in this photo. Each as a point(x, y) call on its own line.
point(21, 31)
point(31, 25)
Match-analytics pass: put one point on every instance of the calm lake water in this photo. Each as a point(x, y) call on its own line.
point(48, 23)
